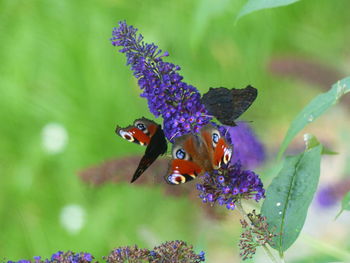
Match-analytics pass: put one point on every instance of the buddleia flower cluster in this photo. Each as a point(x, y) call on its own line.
point(248, 149)
point(61, 257)
point(170, 252)
point(180, 106)
point(230, 184)
point(167, 94)
point(255, 234)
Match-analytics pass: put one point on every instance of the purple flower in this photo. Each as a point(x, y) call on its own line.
point(87, 257)
point(57, 255)
point(329, 195)
point(19, 261)
point(168, 96)
point(247, 148)
point(237, 184)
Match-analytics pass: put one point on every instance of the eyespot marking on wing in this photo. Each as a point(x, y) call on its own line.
point(141, 126)
point(215, 137)
point(227, 155)
point(179, 153)
point(176, 178)
point(126, 135)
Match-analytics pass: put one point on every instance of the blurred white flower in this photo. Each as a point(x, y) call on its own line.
point(72, 218)
point(54, 138)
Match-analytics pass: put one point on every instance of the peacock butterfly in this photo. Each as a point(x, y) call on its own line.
point(194, 154)
point(228, 104)
point(147, 133)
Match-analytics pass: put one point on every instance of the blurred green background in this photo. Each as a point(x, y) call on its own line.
point(64, 87)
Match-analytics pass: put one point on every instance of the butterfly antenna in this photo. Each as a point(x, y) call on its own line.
point(207, 115)
point(226, 131)
point(174, 136)
point(241, 121)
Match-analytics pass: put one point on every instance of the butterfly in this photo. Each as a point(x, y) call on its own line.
point(228, 104)
point(147, 133)
point(194, 154)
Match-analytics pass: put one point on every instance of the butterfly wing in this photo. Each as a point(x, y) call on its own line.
point(182, 171)
point(184, 166)
point(219, 150)
point(228, 104)
point(140, 132)
point(157, 146)
point(148, 133)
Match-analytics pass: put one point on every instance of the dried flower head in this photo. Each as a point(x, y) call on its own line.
point(168, 96)
point(255, 234)
point(61, 257)
point(170, 252)
point(228, 185)
point(177, 252)
point(128, 254)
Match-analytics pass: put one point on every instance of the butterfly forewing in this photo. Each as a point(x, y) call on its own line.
point(148, 133)
point(228, 104)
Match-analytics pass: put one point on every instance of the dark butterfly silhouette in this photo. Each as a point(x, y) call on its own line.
point(148, 133)
point(228, 104)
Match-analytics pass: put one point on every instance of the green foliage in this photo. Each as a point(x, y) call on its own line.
point(255, 5)
point(289, 196)
point(315, 109)
point(311, 141)
point(345, 204)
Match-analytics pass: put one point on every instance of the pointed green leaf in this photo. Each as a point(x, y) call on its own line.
point(255, 5)
point(315, 109)
point(311, 142)
point(345, 204)
point(289, 196)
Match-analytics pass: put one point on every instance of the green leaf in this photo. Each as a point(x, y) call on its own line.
point(289, 196)
point(255, 5)
point(345, 204)
point(311, 142)
point(315, 109)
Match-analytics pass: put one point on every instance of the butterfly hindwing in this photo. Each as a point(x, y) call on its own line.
point(148, 133)
point(218, 148)
point(194, 154)
point(140, 132)
point(182, 171)
point(228, 104)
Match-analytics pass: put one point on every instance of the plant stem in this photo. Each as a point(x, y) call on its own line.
point(246, 218)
